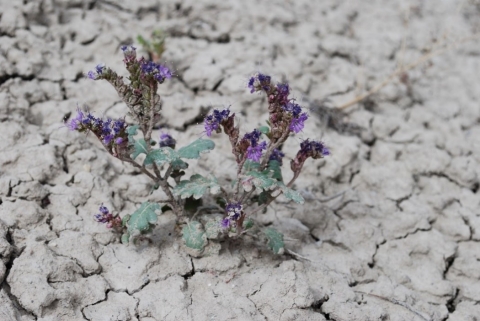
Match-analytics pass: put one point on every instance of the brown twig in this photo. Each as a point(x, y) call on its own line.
point(402, 304)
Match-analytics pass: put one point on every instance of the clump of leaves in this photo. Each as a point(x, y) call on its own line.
point(258, 156)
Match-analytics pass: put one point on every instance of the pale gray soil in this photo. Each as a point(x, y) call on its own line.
point(407, 230)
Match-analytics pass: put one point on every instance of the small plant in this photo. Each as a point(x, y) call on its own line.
point(258, 155)
point(155, 46)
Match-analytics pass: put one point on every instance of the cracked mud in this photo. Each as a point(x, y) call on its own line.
point(401, 243)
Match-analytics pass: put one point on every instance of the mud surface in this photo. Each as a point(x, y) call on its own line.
point(402, 243)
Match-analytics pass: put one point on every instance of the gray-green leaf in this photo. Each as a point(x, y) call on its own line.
point(275, 240)
point(264, 129)
point(196, 186)
point(131, 131)
point(125, 238)
point(143, 217)
point(213, 228)
point(274, 166)
point(194, 236)
point(291, 194)
point(179, 164)
point(194, 150)
point(262, 180)
point(161, 156)
point(140, 147)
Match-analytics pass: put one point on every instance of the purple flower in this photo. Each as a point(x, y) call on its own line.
point(119, 140)
point(125, 48)
point(212, 122)
point(313, 149)
point(259, 82)
point(106, 217)
point(75, 122)
point(253, 137)
point(251, 81)
point(277, 155)
point(254, 153)
point(297, 124)
point(92, 75)
point(99, 68)
point(292, 108)
point(225, 223)
point(167, 141)
point(159, 72)
point(103, 209)
point(283, 90)
point(234, 211)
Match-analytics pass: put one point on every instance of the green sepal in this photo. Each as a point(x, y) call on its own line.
point(194, 236)
point(196, 186)
point(196, 148)
point(275, 240)
point(160, 156)
point(143, 217)
point(125, 238)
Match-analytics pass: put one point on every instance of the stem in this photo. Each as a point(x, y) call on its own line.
point(148, 133)
point(239, 171)
point(271, 147)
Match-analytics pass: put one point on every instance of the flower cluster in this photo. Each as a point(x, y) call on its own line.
point(259, 82)
point(283, 110)
point(167, 141)
point(94, 74)
point(108, 131)
point(212, 122)
point(157, 71)
point(308, 148)
point(234, 213)
point(255, 149)
point(106, 217)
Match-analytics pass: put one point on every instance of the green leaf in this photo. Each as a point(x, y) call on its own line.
point(274, 166)
point(196, 186)
point(263, 197)
point(264, 129)
point(125, 238)
point(275, 240)
point(140, 147)
point(248, 224)
point(179, 164)
point(213, 228)
point(143, 217)
point(250, 165)
point(160, 156)
point(131, 131)
point(194, 150)
point(194, 236)
point(291, 194)
point(125, 220)
point(262, 180)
